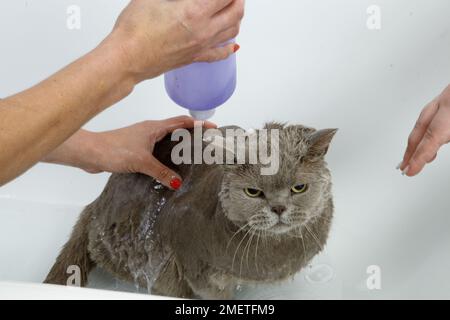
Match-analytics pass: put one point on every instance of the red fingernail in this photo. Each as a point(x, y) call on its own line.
point(175, 183)
point(236, 48)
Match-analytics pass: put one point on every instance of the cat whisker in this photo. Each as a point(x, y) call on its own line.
point(256, 251)
point(296, 223)
point(248, 250)
point(243, 251)
point(256, 216)
point(247, 247)
point(234, 235)
point(303, 241)
point(314, 237)
point(293, 234)
point(265, 237)
point(262, 225)
point(237, 249)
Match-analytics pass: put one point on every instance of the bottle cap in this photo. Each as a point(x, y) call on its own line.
point(202, 114)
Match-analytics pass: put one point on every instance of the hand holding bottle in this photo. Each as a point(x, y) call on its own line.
point(156, 36)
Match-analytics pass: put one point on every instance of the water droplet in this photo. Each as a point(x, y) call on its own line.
point(321, 273)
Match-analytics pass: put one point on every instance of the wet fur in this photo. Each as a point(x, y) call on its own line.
point(188, 244)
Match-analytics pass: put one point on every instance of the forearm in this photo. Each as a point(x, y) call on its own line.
point(82, 150)
point(36, 121)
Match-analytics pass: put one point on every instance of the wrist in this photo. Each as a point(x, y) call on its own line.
point(88, 151)
point(83, 150)
point(137, 63)
point(113, 62)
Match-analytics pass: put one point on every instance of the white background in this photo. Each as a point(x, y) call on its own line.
point(304, 61)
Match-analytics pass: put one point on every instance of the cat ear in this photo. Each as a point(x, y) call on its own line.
point(319, 142)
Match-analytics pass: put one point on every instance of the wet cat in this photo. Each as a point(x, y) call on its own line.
point(227, 225)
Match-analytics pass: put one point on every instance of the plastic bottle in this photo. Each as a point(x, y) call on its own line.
point(202, 87)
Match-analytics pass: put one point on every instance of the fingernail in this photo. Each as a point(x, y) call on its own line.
point(236, 48)
point(399, 166)
point(175, 183)
point(404, 172)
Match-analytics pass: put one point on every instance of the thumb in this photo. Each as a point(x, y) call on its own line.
point(160, 172)
point(219, 53)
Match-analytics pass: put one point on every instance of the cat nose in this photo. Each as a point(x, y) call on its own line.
point(278, 209)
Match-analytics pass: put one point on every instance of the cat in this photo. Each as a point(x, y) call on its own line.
point(228, 225)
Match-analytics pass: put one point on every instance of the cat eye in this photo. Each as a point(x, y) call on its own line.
point(300, 188)
point(253, 193)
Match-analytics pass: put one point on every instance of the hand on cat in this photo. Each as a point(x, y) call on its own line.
point(156, 36)
point(126, 150)
point(431, 132)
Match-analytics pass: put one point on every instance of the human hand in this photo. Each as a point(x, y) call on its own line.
point(431, 132)
point(156, 36)
point(126, 150)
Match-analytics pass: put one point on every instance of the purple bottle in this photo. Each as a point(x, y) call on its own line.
point(202, 87)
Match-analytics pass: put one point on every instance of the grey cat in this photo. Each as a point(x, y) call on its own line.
point(228, 225)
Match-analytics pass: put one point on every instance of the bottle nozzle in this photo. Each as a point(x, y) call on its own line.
point(202, 114)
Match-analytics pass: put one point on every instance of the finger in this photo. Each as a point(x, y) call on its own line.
point(181, 122)
point(434, 158)
point(185, 122)
point(225, 36)
point(153, 168)
point(229, 17)
point(419, 131)
point(426, 150)
point(216, 54)
point(211, 7)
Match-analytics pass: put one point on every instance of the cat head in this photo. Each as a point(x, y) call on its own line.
point(286, 200)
